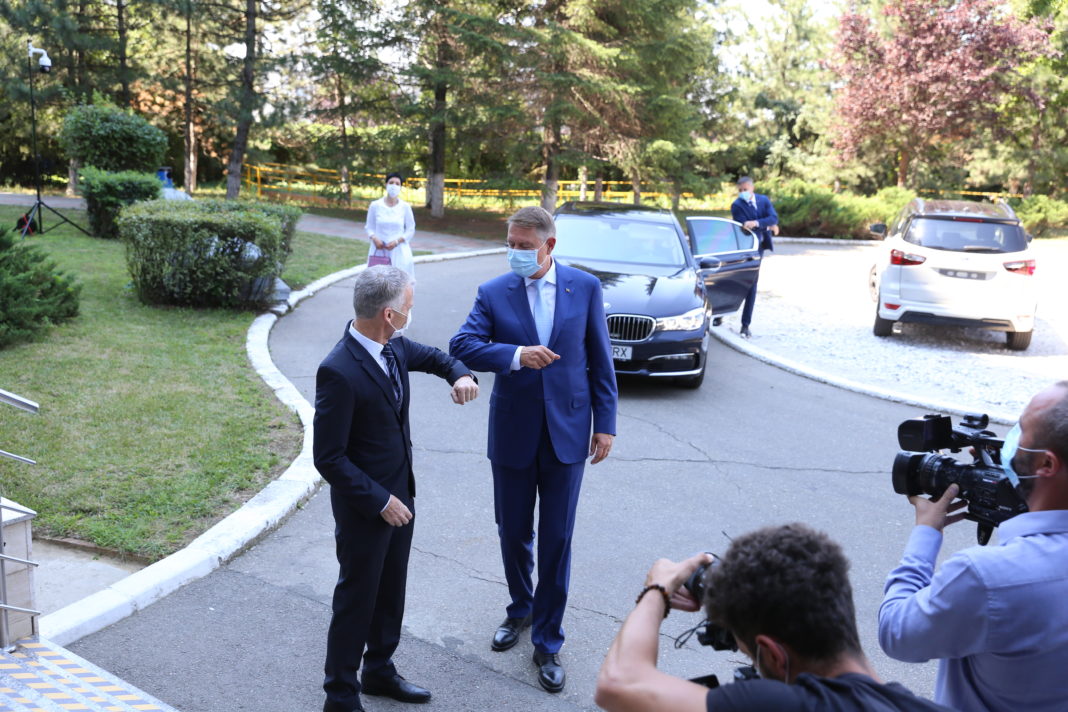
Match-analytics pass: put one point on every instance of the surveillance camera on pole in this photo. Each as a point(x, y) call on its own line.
point(45, 62)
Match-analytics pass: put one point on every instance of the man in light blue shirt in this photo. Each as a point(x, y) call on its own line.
point(996, 617)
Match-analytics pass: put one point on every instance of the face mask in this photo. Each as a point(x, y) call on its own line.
point(523, 262)
point(746, 195)
point(393, 190)
point(407, 324)
point(1008, 452)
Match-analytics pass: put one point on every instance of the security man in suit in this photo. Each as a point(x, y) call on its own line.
point(541, 328)
point(362, 447)
point(755, 212)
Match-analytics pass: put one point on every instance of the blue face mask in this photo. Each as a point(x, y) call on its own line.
point(746, 195)
point(1008, 452)
point(523, 262)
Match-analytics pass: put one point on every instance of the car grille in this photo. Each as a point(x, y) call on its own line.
point(628, 327)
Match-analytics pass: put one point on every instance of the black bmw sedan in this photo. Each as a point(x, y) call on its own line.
point(661, 285)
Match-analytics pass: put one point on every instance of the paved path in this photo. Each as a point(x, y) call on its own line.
point(754, 445)
point(424, 241)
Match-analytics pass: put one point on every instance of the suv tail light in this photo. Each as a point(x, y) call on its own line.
point(898, 257)
point(1021, 267)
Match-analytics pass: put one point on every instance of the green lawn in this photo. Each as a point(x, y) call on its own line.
point(152, 426)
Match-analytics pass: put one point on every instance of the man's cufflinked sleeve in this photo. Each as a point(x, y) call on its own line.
point(473, 343)
point(334, 406)
point(926, 615)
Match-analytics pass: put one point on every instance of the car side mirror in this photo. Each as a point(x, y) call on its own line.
point(878, 229)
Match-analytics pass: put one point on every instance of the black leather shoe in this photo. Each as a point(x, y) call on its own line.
point(746, 333)
point(717, 320)
point(396, 687)
point(330, 706)
point(507, 634)
point(550, 673)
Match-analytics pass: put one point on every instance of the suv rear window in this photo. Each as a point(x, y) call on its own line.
point(966, 236)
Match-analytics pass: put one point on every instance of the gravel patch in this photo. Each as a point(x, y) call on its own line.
point(815, 310)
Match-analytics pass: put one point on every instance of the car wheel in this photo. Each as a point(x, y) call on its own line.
point(882, 327)
point(873, 285)
point(1018, 340)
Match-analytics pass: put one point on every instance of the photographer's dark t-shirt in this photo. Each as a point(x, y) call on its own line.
point(851, 692)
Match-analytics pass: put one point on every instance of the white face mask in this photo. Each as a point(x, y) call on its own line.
point(393, 190)
point(407, 325)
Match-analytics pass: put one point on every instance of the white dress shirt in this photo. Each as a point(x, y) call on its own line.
point(548, 296)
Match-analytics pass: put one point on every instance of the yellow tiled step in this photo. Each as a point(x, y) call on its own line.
point(41, 677)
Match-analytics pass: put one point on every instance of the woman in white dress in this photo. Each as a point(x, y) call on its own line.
point(391, 226)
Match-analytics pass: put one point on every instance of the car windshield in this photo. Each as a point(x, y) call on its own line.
point(615, 239)
point(966, 235)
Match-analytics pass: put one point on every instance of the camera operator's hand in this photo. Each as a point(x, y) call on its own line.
point(671, 575)
point(935, 513)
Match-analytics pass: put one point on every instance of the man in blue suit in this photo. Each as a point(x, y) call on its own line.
point(541, 328)
point(755, 212)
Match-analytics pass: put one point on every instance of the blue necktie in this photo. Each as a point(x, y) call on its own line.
point(394, 372)
point(543, 321)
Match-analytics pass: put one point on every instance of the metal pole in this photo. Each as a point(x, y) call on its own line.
point(33, 131)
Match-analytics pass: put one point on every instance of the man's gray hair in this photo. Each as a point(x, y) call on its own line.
point(743, 180)
point(537, 217)
point(379, 287)
point(1053, 425)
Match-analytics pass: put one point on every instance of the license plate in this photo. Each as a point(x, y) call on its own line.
point(621, 353)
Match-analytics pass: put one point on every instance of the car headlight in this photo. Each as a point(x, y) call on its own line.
point(690, 321)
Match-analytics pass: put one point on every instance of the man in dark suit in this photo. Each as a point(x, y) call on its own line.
point(541, 328)
point(362, 447)
point(755, 212)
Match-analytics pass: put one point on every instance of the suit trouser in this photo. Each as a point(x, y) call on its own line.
point(368, 598)
point(750, 299)
point(555, 485)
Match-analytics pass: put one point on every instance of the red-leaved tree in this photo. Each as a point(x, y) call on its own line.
point(935, 77)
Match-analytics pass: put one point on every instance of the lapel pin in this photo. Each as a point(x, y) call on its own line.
point(567, 290)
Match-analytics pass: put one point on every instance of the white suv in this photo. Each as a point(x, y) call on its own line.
point(956, 263)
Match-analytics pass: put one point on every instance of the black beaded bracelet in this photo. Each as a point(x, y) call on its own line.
point(663, 592)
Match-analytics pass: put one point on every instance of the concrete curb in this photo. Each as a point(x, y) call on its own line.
point(746, 347)
point(238, 531)
point(825, 241)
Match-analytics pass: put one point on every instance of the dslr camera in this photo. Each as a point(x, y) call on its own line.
point(710, 634)
point(921, 468)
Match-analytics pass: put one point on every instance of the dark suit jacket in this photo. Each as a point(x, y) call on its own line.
point(568, 393)
point(765, 214)
point(362, 441)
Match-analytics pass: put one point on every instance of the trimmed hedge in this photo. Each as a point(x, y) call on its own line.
point(105, 136)
point(213, 253)
point(34, 295)
point(107, 193)
point(814, 211)
point(1040, 213)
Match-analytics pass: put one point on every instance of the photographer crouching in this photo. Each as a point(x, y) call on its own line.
point(782, 596)
point(996, 617)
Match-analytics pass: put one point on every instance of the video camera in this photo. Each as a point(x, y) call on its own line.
point(920, 469)
point(712, 635)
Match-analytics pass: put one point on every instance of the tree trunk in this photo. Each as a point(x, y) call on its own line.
point(584, 177)
point(902, 167)
point(346, 184)
point(636, 186)
point(189, 178)
point(435, 186)
point(1032, 156)
point(248, 100)
point(72, 178)
point(676, 194)
point(125, 97)
point(550, 155)
point(598, 185)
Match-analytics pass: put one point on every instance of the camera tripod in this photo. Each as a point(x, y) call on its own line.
point(35, 212)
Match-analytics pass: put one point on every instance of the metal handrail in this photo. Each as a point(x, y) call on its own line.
point(6, 642)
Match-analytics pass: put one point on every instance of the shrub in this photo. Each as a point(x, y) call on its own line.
point(213, 253)
point(1039, 213)
point(107, 193)
point(34, 295)
point(111, 139)
point(808, 210)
